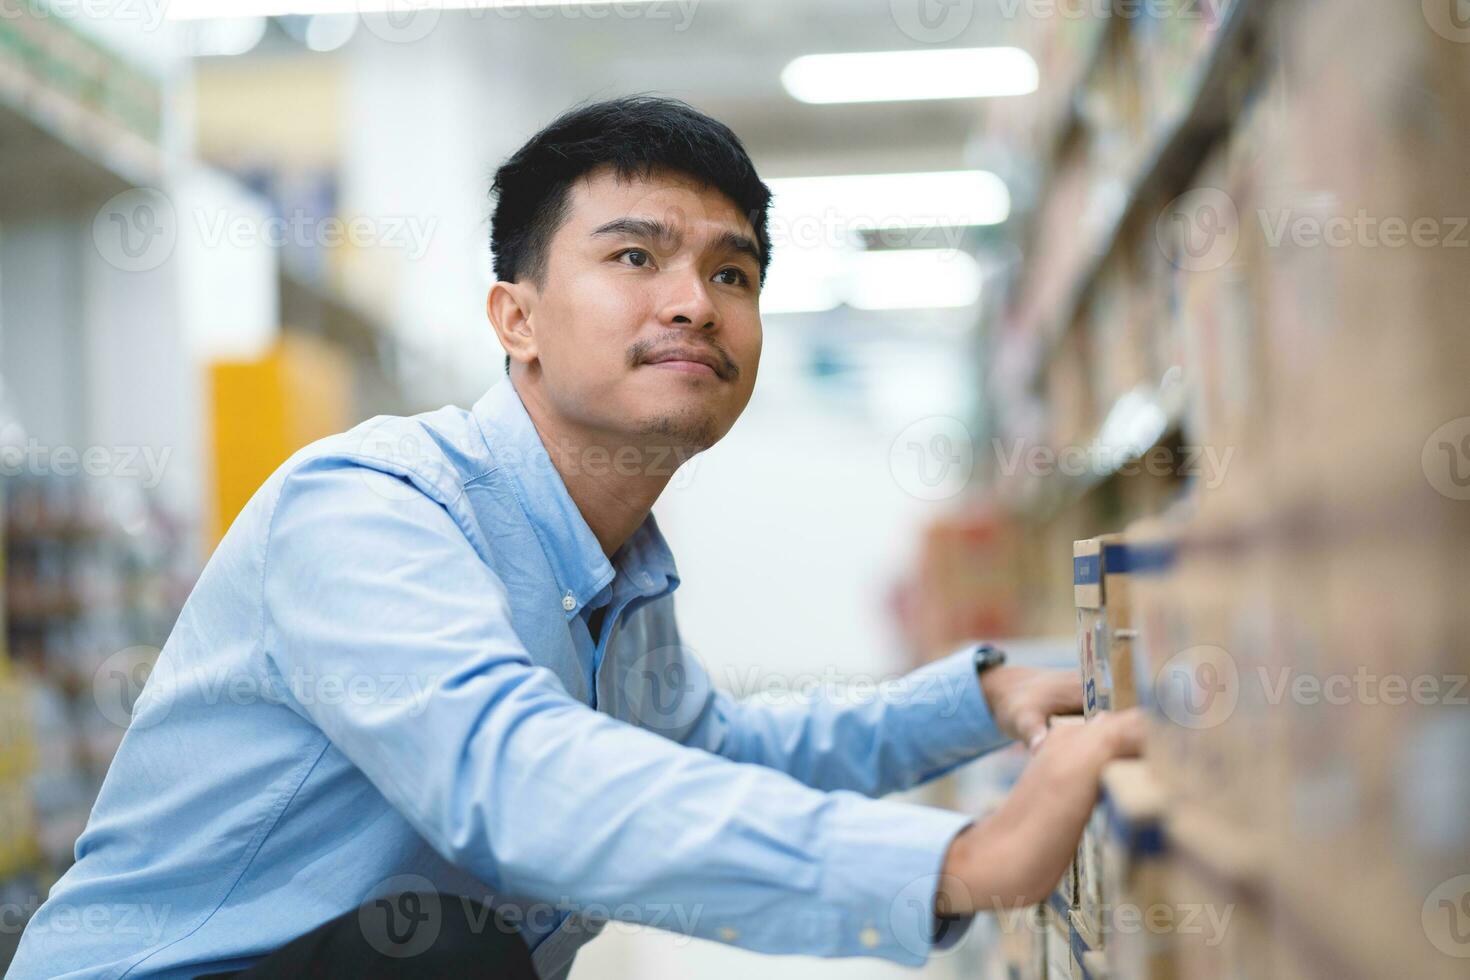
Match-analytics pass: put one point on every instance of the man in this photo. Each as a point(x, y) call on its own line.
point(427, 712)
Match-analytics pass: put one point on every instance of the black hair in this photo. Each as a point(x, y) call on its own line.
point(635, 135)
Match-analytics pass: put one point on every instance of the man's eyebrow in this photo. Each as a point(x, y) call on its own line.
point(733, 241)
point(651, 229)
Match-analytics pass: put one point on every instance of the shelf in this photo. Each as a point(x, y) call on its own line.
point(58, 153)
point(1217, 847)
point(1138, 423)
point(1162, 167)
point(1070, 119)
point(310, 304)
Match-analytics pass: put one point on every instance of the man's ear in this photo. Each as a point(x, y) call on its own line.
point(509, 308)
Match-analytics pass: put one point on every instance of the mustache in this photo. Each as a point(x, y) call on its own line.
point(644, 350)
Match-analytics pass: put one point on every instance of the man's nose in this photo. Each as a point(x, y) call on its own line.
point(689, 303)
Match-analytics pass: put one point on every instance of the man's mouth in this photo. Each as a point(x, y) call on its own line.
point(690, 367)
point(692, 360)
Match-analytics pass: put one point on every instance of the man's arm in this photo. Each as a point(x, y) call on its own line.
point(883, 738)
point(371, 583)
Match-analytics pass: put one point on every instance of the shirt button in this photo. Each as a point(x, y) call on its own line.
point(728, 935)
point(870, 938)
point(569, 602)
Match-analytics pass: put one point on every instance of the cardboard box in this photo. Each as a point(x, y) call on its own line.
point(1194, 912)
point(1064, 898)
point(1088, 916)
point(1040, 940)
point(1023, 942)
point(1084, 938)
point(1058, 947)
point(1135, 872)
point(1377, 734)
point(1100, 575)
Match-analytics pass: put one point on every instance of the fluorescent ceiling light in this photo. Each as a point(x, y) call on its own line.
point(903, 76)
point(795, 295)
point(196, 9)
point(911, 279)
point(810, 211)
point(328, 32)
point(225, 36)
point(811, 281)
point(817, 262)
point(803, 280)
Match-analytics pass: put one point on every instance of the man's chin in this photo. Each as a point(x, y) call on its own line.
point(685, 432)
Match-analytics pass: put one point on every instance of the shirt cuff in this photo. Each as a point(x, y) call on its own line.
point(883, 866)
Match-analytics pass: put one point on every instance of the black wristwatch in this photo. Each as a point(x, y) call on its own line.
point(987, 655)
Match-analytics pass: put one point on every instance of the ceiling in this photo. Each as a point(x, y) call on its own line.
point(726, 57)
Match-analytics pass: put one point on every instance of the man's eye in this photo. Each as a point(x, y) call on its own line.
point(737, 276)
point(635, 256)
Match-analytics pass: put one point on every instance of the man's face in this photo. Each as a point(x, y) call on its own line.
point(639, 273)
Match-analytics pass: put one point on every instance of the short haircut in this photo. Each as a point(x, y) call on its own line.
point(635, 135)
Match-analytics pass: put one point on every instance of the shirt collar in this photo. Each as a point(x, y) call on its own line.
point(576, 558)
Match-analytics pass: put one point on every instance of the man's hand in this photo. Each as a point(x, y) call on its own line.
point(1022, 698)
point(1016, 856)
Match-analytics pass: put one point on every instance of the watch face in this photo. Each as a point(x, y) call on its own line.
point(988, 656)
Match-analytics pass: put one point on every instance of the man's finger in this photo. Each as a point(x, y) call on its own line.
point(1128, 731)
point(1031, 727)
point(1067, 692)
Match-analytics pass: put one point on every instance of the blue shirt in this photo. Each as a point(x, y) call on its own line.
point(383, 681)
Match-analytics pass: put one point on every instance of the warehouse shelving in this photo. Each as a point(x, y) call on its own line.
point(1162, 167)
point(1327, 548)
point(78, 124)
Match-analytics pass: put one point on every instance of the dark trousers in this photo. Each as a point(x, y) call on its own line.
point(412, 934)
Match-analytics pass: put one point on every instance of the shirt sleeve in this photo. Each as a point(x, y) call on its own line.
point(372, 583)
point(870, 738)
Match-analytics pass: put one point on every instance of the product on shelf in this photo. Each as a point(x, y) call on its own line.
point(95, 575)
point(18, 850)
point(1135, 873)
point(1296, 265)
point(1087, 917)
point(1058, 945)
point(965, 586)
point(1100, 574)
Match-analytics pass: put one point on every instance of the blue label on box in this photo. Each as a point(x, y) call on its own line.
point(1117, 559)
point(1080, 949)
point(1086, 570)
point(1142, 559)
